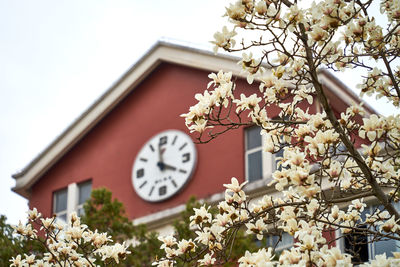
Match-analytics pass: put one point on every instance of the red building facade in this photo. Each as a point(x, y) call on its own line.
point(99, 149)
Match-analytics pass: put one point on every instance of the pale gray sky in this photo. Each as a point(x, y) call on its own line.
point(58, 56)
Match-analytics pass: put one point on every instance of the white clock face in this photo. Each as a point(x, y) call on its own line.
point(164, 165)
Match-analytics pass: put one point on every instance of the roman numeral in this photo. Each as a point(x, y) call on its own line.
point(162, 190)
point(163, 140)
point(140, 173)
point(185, 157)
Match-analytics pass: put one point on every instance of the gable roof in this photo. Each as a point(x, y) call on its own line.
point(161, 52)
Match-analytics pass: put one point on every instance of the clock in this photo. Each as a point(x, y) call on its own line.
point(164, 165)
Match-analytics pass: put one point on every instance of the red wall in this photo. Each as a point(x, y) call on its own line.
point(106, 154)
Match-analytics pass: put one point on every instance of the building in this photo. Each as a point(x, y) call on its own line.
point(134, 131)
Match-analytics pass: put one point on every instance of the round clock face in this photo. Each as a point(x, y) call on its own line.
point(164, 165)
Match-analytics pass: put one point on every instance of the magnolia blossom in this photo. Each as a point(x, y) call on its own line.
point(207, 259)
point(234, 186)
point(330, 157)
point(250, 102)
point(201, 216)
point(256, 228)
point(262, 257)
point(224, 39)
point(63, 242)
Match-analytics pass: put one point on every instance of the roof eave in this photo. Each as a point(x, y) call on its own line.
point(338, 84)
point(160, 52)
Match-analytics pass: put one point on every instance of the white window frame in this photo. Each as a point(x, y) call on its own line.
point(72, 200)
point(267, 159)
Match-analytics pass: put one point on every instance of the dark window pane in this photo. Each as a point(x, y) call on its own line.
point(254, 165)
point(81, 212)
point(386, 246)
point(277, 155)
point(84, 191)
point(286, 242)
point(61, 200)
point(253, 137)
point(357, 246)
point(63, 217)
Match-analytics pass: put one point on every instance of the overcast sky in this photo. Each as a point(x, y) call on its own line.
point(57, 57)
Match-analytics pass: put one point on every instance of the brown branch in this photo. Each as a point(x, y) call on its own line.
point(350, 198)
point(378, 192)
point(390, 73)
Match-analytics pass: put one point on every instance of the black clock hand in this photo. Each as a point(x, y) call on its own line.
point(161, 165)
point(172, 168)
point(160, 162)
point(160, 154)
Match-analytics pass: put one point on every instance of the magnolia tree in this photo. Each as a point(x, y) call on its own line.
point(324, 179)
point(71, 244)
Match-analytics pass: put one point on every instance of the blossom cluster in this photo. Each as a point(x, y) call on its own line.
point(340, 34)
point(268, 216)
point(305, 139)
point(71, 244)
point(333, 163)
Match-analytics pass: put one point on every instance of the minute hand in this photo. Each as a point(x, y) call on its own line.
point(160, 154)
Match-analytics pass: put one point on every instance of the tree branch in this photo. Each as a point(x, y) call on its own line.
point(378, 192)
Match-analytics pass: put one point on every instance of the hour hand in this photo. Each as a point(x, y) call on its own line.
point(172, 168)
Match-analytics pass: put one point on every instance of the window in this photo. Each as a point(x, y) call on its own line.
point(285, 243)
point(357, 246)
point(258, 165)
point(254, 168)
point(363, 249)
point(70, 199)
point(84, 190)
point(60, 204)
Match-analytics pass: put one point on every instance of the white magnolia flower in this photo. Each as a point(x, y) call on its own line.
point(234, 185)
